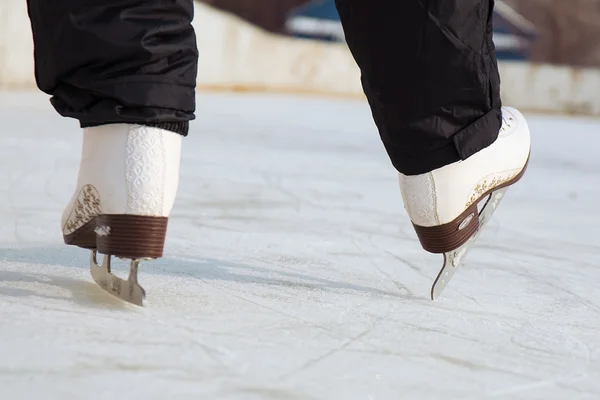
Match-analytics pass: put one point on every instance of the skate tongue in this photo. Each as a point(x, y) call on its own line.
point(127, 290)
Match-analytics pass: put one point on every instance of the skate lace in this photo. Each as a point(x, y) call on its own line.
point(506, 122)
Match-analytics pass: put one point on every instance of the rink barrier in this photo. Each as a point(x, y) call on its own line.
point(237, 56)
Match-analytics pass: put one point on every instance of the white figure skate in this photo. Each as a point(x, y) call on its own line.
point(127, 183)
point(443, 204)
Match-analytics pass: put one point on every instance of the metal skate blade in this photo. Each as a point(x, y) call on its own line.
point(128, 290)
point(453, 259)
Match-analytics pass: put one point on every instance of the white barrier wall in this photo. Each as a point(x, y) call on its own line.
point(16, 46)
point(547, 88)
point(235, 55)
point(239, 55)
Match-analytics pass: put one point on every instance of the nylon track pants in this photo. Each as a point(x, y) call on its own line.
point(106, 61)
point(428, 68)
point(430, 73)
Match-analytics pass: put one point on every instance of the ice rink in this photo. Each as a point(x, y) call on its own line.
point(292, 272)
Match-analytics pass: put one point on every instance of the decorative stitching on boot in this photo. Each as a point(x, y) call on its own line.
point(488, 184)
point(86, 207)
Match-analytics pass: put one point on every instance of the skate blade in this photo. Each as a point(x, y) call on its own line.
point(128, 290)
point(453, 259)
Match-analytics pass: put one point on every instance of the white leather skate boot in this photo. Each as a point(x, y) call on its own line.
point(126, 188)
point(442, 204)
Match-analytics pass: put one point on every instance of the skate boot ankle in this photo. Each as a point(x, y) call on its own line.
point(126, 188)
point(443, 204)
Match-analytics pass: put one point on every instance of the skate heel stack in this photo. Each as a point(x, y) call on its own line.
point(131, 236)
point(447, 237)
point(122, 235)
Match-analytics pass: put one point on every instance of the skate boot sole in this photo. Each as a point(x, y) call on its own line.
point(123, 236)
point(84, 237)
point(450, 236)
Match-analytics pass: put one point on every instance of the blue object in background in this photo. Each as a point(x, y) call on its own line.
point(320, 20)
point(513, 34)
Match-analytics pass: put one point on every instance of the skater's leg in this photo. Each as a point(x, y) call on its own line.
point(430, 74)
point(125, 61)
point(127, 71)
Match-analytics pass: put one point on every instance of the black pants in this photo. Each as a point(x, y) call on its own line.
point(428, 68)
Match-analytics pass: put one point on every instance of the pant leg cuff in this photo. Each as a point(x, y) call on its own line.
point(475, 137)
point(423, 163)
point(479, 135)
point(180, 127)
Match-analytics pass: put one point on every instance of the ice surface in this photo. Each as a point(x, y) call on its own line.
point(292, 272)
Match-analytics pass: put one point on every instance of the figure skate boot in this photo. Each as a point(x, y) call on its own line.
point(443, 204)
point(126, 188)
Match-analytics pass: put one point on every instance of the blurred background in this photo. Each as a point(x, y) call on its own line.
point(548, 50)
point(546, 31)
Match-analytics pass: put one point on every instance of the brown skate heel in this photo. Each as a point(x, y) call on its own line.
point(84, 237)
point(131, 236)
point(450, 236)
point(124, 236)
